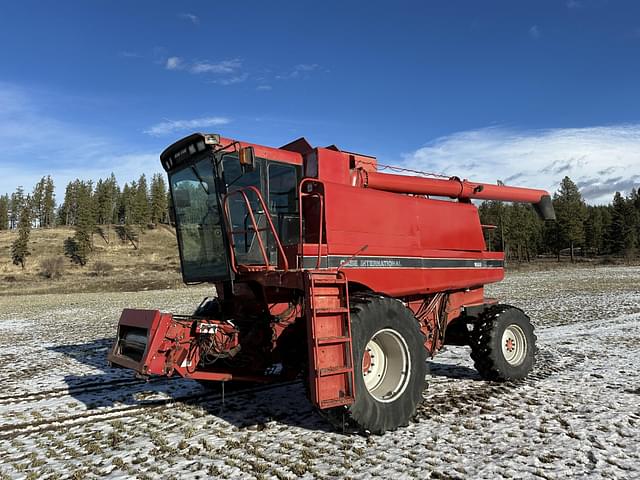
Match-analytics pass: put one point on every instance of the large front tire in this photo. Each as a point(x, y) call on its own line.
point(503, 344)
point(389, 360)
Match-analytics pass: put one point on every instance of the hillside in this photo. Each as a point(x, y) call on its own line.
point(113, 266)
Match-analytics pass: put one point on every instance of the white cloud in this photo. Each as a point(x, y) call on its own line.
point(170, 126)
point(264, 88)
point(232, 71)
point(174, 63)
point(191, 17)
point(225, 66)
point(298, 71)
point(224, 72)
point(232, 80)
point(534, 32)
point(306, 67)
point(601, 160)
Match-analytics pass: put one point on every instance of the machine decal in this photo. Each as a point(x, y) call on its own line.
point(336, 261)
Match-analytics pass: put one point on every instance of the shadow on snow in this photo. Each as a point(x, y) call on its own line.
point(233, 403)
point(437, 369)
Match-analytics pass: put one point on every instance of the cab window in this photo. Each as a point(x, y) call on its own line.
point(283, 201)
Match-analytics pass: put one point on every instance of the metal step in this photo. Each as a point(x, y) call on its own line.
point(337, 402)
point(327, 372)
point(332, 340)
point(329, 281)
point(327, 311)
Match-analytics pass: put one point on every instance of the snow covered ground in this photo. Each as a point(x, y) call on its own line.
point(65, 414)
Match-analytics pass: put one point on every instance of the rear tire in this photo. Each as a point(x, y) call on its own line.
point(503, 344)
point(389, 360)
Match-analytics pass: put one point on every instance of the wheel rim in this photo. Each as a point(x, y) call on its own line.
point(514, 345)
point(386, 365)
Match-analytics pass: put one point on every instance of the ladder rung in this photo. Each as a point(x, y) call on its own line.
point(332, 340)
point(324, 311)
point(328, 281)
point(336, 402)
point(326, 372)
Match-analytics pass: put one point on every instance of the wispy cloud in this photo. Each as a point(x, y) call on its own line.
point(171, 126)
point(573, 4)
point(222, 67)
point(190, 17)
point(224, 72)
point(232, 80)
point(35, 142)
point(534, 32)
point(232, 71)
point(174, 63)
point(601, 160)
point(264, 88)
point(298, 71)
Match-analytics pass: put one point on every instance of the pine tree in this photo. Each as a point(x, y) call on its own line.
point(570, 213)
point(112, 197)
point(634, 200)
point(158, 199)
point(518, 230)
point(622, 233)
point(69, 207)
point(106, 199)
point(15, 207)
point(494, 213)
point(20, 247)
point(37, 202)
point(100, 201)
point(606, 212)
point(4, 212)
point(140, 210)
point(76, 195)
point(49, 203)
point(593, 230)
point(125, 204)
point(85, 225)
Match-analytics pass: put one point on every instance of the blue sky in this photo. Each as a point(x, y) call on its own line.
point(520, 91)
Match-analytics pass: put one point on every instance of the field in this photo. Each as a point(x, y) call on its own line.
point(154, 264)
point(65, 414)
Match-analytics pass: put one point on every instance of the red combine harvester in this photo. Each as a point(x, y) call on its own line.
point(327, 267)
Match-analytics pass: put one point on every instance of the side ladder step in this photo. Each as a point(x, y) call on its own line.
point(333, 340)
point(329, 281)
point(331, 311)
point(331, 373)
point(326, 372)
point(337, 402)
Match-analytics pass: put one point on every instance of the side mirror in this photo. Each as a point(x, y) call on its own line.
point(247, 157)
point(181, 198)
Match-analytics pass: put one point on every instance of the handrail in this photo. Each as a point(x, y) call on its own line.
point(320, 232)
point(256, 229)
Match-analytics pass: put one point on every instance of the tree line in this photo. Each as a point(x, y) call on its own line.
point(579, 230)
point(86, 207)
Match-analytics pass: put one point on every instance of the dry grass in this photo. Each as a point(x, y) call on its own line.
point(155, 264)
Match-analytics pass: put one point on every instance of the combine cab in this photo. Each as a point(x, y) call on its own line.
point(325, 267)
